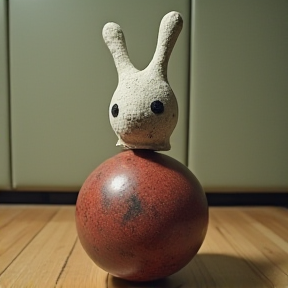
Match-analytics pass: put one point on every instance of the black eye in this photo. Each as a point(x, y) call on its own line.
point(115, 110)
point(157, 107)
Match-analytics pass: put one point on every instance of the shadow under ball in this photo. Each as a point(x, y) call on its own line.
point(141, 215)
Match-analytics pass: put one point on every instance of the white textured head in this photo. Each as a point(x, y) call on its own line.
point(143, 111)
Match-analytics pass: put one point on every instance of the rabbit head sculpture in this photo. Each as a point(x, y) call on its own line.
point(143, 111)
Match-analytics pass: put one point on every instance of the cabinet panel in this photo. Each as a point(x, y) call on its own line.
point(4, 103)
point(63, 78)
point(239, 104)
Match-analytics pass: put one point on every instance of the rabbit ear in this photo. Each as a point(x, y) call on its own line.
point(170, 28)
point(115, 40)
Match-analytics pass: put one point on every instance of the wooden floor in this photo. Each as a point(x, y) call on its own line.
point(244, 247)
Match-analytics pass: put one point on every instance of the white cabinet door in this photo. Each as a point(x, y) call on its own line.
point(63, 77)
point(239, 95)
point(4, 102)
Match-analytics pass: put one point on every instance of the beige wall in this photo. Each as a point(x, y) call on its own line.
point(239, 95)
point(63, 77)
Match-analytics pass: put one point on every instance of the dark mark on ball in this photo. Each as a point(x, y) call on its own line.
point(106, 201)
point(134, 208)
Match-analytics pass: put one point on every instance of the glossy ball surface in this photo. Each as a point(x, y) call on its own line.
point(141, 215)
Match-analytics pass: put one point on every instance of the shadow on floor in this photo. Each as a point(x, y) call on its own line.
point(211, 270)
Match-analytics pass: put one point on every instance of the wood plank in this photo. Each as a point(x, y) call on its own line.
point(275, 219)
point(41, 262)
point(246, 240)
point(20, 225)
point(7, 213)
point(225, 264)
point(241, 250)
point(81, 271)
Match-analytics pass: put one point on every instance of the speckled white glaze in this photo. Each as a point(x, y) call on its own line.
point(136, 125)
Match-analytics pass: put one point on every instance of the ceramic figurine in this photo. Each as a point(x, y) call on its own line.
point(142, 215)
point(143, 110)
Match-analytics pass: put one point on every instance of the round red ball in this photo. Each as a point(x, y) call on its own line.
point(141, 215)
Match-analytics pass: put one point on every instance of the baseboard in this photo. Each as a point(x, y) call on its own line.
point(24, 197)
point(214, 199)
point(247, 199)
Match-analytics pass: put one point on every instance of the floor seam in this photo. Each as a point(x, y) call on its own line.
point(66, 261)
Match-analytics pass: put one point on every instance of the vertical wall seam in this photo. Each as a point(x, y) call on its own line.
point(188, 86)
point(7, 12)
point(191, 5)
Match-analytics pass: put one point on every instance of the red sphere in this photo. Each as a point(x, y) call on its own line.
point(141, 215)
